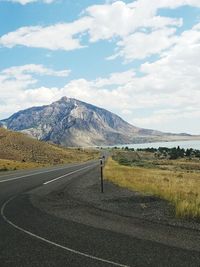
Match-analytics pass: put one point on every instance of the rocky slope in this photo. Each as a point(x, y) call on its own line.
point(71, 122)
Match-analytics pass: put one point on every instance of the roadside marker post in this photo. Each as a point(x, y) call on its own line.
point(101, 165)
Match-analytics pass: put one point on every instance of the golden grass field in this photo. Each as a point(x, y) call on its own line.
point(18, 151)
point(11, 165)
point(180, 187)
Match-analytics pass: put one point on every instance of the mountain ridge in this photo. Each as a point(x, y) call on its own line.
point(71, 122)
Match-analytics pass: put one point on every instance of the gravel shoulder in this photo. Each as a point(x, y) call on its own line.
point(119, 210)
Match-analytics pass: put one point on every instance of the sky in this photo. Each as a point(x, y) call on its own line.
point(139, 59)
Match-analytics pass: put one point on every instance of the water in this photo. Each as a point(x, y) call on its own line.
point(195, 144)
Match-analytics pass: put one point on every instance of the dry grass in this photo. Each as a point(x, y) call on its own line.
point(11, 165)
point(20, 151)
point(181, 188)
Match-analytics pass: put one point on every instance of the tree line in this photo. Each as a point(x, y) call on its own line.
point(171, 153)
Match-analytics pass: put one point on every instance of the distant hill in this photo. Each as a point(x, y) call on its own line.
point(22, 148)
point(71, 122)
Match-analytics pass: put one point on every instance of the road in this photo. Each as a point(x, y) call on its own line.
point(31, 237)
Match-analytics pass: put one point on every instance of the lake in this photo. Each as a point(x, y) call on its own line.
point(195, 144)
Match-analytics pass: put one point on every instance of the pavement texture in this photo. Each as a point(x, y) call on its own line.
point(68, 222)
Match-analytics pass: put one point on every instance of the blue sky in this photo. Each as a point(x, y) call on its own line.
point(139, 59)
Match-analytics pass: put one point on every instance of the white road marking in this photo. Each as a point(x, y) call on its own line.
point(53, 243)
point(68, 174)
point(32, 174)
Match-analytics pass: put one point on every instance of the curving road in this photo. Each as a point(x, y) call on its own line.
point(87, 236)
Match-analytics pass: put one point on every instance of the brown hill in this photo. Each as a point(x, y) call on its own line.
point(23, 149)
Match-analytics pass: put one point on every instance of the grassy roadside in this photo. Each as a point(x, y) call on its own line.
point(180, 188)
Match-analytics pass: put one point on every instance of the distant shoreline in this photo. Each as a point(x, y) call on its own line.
point(194, 143)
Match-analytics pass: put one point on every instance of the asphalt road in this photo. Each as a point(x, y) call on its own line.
point(31, 237)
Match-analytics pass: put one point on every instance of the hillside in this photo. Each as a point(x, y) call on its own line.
point(71, 122)
point(22, 151)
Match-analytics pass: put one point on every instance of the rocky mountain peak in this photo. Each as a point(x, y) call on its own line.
point(65, 99)
point(71, 122)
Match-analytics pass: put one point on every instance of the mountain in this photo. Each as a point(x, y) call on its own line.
point(71, 122)
point(21, 150)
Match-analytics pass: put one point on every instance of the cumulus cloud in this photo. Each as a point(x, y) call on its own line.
point(136, 27)
point(123, 23)
point(179, 67)
point(59, 36)
point(119, 19)
point(142, 45)
point(18, 87)
point(119, 78)
point(17, 71)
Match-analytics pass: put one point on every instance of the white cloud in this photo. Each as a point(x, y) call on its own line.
point(59, 36)
point(120, 19)
point(137, 26)
point(116, 21)
point(15, 72)
point(175, 120)
point(119, 78)
point(180, 66)
point(17, 87)
point(142, 45)
point(24, 2)
point(27, 70)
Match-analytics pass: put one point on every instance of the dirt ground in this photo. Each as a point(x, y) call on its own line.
point(82, 195)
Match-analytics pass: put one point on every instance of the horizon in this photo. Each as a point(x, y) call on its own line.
point(137, 59)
